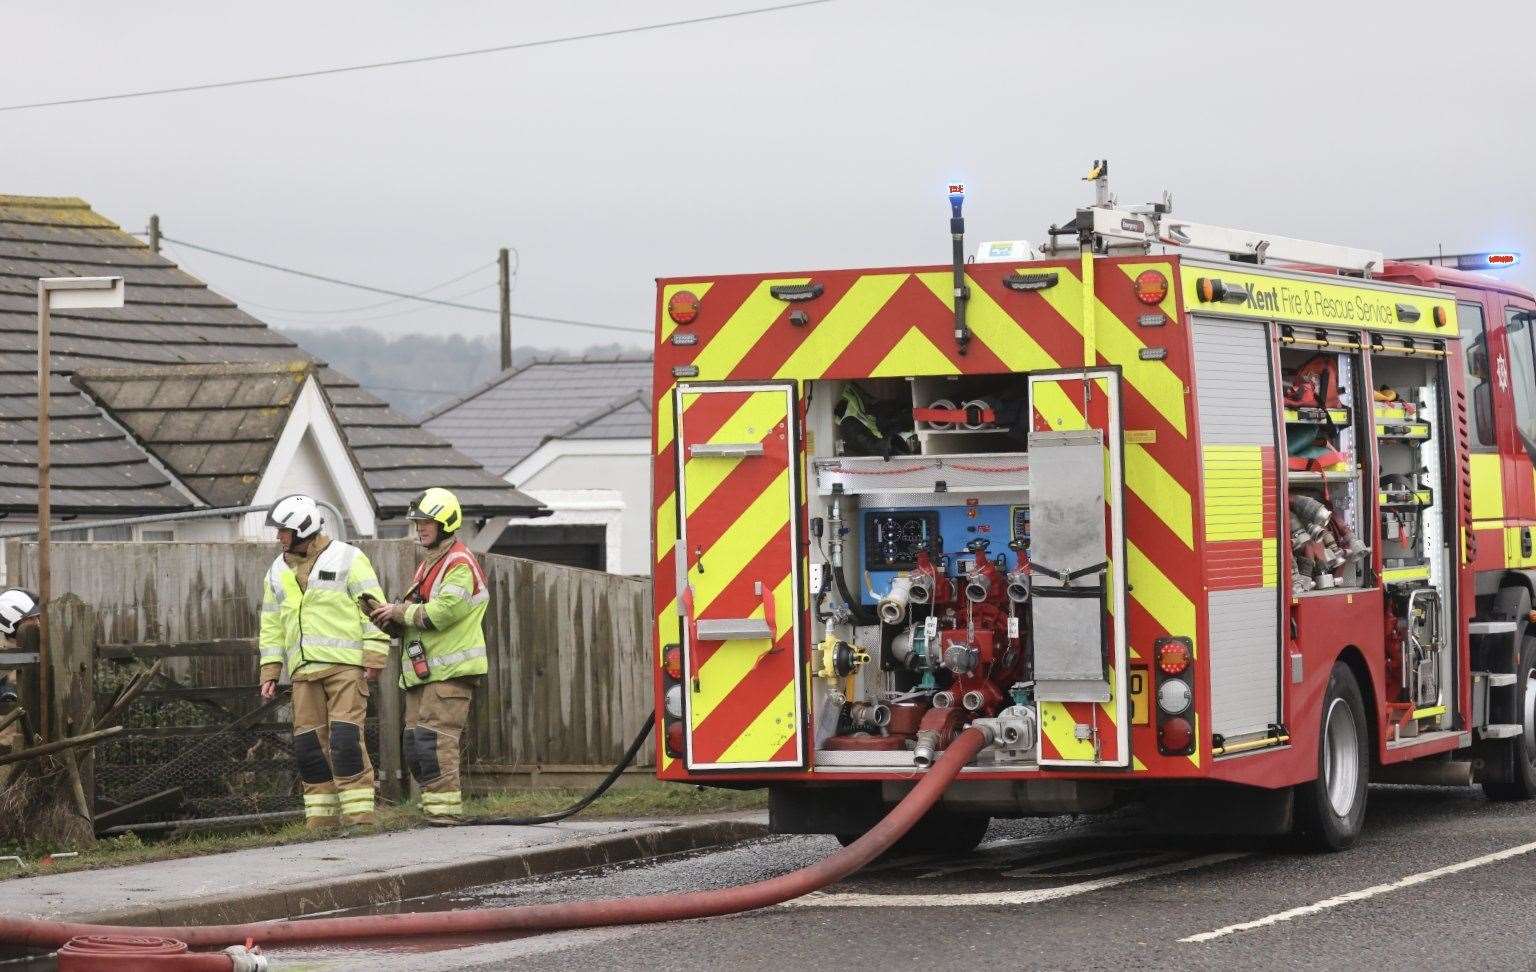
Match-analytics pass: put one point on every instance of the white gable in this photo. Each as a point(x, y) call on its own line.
point(311, 457)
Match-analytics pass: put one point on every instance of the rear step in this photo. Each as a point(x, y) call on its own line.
point(1503, 730)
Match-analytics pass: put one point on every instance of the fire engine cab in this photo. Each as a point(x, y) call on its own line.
point(1221, 522)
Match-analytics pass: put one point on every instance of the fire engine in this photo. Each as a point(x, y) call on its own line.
point(1220, 522)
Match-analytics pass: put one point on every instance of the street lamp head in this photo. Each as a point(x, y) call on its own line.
point(75, 293)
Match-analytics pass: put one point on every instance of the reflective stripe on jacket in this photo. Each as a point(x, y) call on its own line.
point(323, 623)
point(455, 609)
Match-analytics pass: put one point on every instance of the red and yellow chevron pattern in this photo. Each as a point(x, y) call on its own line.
point(896, 323)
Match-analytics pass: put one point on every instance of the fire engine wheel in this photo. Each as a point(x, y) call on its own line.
point(936, 833)
point(1330, 810)
point(1516, 777)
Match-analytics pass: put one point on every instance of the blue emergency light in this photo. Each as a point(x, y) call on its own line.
point(1497, 260)
point(956, 198)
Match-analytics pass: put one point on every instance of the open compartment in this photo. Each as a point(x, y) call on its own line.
point(922, 583)
point(1325, 463)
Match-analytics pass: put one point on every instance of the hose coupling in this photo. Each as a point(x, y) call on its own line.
point(246, 960)
point(926, 750)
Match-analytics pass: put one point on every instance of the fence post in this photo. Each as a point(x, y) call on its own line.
point(72, 624)
point(391, 713)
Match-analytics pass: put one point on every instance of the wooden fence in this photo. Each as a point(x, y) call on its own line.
point(570, 649)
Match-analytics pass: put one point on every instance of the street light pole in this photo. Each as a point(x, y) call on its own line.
point(70, 293)
point(44, 509)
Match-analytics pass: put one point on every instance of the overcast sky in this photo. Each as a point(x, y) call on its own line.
point(811, 138)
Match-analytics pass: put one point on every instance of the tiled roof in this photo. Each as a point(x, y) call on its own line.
point(213, 426)
point(170, 318)
point(503, 421)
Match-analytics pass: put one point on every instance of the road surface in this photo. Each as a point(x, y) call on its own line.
point(1441, 878)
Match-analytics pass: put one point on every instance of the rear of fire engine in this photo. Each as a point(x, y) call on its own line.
point(1182, 515)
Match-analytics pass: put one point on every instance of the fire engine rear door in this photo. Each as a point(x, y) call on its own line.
point(738, 495)
point(1077, 545)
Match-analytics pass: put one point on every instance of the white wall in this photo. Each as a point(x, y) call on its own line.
point(611, 489)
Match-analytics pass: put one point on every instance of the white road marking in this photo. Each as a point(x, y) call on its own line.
point(1032, 896)
point(1361, 895)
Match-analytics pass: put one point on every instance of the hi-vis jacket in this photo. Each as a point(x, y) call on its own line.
point(322, 624)
point(449, 620)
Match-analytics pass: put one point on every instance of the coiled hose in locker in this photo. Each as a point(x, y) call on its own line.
point(586, 801)
point(526, 919)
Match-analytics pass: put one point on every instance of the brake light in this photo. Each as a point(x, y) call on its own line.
point(683, 307)
point(674, 739)
point(1151, 287)
point(1174, 735)
point(672, 662)
point(1172, 655)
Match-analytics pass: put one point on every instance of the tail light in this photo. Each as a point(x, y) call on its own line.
point(1172, 655)
point(1175, 696)
point(672, 662)
point(674, 739)
point(683, 307)
point(1175, 736)
point(1151, 287)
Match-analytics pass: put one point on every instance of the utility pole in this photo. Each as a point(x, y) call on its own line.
point(504, 279)
point(154, 232)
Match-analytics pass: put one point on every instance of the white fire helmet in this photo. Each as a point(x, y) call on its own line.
point(15, 606)
point(298, 513)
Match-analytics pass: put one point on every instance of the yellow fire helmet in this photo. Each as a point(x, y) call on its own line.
point(437, 504)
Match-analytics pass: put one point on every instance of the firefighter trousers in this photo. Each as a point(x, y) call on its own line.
point(435, 715)
point(328, 714)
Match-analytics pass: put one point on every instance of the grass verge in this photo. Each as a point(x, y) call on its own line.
point(649, 799)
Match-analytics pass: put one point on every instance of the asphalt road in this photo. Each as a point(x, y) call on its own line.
point(1441, 878)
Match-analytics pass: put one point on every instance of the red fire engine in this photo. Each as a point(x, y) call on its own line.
point(1219, 521)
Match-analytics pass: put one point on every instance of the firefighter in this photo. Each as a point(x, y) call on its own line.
point(444, 641)
point(19, 623)
point(312, 624)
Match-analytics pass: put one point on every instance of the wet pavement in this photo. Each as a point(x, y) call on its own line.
point(1441, 876)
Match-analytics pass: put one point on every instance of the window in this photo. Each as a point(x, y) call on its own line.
point(1479, 386)
point(149, 535)
point(113, 533)
point(1522, 374)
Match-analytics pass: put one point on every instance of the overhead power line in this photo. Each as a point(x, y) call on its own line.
point(397, 293)
point(401, 62)
point(382, 303)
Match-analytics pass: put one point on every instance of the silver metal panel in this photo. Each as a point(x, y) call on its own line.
point(1066, 535)
point(734, 629)
point(726, 450)
point(1245, 665)
point(1232, 378)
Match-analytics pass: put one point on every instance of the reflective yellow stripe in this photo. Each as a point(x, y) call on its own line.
point(1487, 487)
point(1234, 492)
point(768, 733)
point(914, 354)
point(841, 326)
point(321, 804)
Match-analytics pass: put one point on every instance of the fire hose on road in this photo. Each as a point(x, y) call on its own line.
point(546, 917)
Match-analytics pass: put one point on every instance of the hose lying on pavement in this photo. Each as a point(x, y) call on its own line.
point(584, 802)
point(565, 915)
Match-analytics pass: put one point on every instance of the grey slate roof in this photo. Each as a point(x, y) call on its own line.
point(214, 426)
point(506, 419)
point(170, 318)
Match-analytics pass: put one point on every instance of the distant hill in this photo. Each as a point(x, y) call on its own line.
point(415, 373)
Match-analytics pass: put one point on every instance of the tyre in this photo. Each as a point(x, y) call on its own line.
point(1514, 759)
point(1330, 810)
